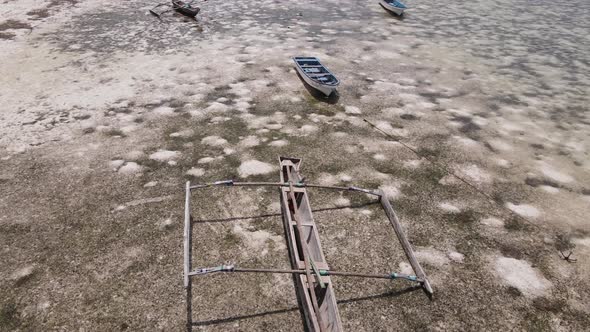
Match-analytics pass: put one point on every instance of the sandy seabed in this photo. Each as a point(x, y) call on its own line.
point(105, 113)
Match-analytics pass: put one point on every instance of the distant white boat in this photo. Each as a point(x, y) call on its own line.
point(316, 75)
point(393, 6)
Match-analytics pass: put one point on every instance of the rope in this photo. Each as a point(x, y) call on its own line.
point(450, 172)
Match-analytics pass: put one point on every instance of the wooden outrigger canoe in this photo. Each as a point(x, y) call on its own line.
point(309, 267)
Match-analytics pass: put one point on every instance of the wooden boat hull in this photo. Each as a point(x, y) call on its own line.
point(326, 89)
point(185, 9)
point(328, 317)
point(396, 10)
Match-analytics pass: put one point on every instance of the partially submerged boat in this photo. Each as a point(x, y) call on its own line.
point(393, 6)
point(185, 8)
point(316, 74)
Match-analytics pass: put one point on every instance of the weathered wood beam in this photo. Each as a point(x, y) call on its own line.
point(231, 183)
point(405, 243)
point(320, 272)
point(306, 258)
point(187, 234)
point(187, 256)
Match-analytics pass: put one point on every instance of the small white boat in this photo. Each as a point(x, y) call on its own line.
point(316, 75)
point(393, 6)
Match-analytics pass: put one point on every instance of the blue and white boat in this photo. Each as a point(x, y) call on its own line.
point(393, 6)
point(316, 74)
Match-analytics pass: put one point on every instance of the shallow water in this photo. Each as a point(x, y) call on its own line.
point(544, 45)
point(502, 71)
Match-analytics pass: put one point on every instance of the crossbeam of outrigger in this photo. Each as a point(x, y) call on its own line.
point(232, 268)
point(232, 183)
point(309, 267)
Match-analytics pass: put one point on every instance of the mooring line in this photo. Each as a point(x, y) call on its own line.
point(450, 172)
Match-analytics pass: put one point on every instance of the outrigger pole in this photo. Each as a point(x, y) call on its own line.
point(307, 258)
point(188, 257)
point(397, 227)
point(231, 183)
point(232, 268)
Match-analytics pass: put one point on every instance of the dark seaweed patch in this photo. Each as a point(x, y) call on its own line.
point(511, 251)
point(469, 128)
point(563, 242)
point(38, 13)
point(408, 117)
point(9, 316)
point(549, 305)
point(515, 224)
point(6, 35)
point(14, 25)
point(535, 182)
point(513, 291)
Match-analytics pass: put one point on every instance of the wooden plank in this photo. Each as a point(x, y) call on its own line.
point(329, 309)
point(300, 281)
point(187, 234)
point(404, 242)
point(306, 259)
point(187, 239)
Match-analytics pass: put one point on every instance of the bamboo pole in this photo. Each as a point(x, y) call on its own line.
point(187, 256)
point(187, 231)
point(230, 269)
point(405, 243)
point(231, 183)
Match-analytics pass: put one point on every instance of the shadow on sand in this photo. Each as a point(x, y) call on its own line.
point(331, 99)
